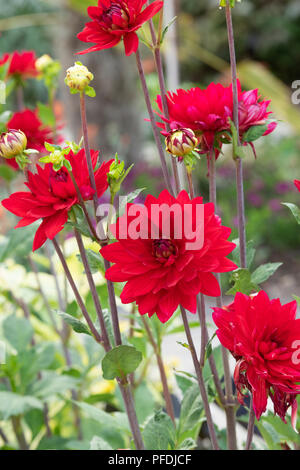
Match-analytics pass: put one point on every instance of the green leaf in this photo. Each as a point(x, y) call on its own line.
point(294, 210)
point(97, 443)
point(5, 117)
point(120, 361)
point(128, 198)
point(52, 384)
point(263, 272)
point(18, 331)
point(75, 324)
point(95, 261)
point(166, 29)
point(12, 404)
point(7, 173)
point(183, 382)
point(159, 432)
point(250, 252)
point(187, 444)
point(242, 282)
point(89, 91)
point(108, 420)
point(254, 133)
point(191, 410)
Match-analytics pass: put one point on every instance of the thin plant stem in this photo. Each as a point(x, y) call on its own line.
point(238, 161)
point(83, 206)
point(76, 292)
point(110, 286)
point(44, 297)
point(250, 431)
point(239, 166)
point(162, 85)
point(162, 372)
point(104, 334)
point(3, 436)
point(153, 123)
point(230, 402)
point(202, 320)
point(200, 380)
point(19, 433)
point(56, 282)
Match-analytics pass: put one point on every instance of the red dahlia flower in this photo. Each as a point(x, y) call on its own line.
point(162, 272)
point(37, 134)
point(52, 194)
point(207, 111)
point(263, 336)
point(253, 112)
point(113, 20)
point(204, 111)
point(21, 64)
point(297, 184)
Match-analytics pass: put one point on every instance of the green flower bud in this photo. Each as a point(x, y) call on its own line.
point(78, 77)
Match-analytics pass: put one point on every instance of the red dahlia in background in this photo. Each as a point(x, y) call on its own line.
point(52, 194)
point(37, 134)
point(113, 20)
point(263, 336)
point(21, 64)
point(162, 273)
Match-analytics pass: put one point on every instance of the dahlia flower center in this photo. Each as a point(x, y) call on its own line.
point(115, 17)
point(164, 249)
point(60, 176)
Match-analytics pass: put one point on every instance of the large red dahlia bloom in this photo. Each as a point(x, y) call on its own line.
point(263, 336)
point(163, 272)
point(21, 64)
point(207, 111)
point(52, 194)
point(113, 20)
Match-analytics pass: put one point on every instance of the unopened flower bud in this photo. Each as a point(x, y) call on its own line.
point(78, 77)
point(181, 142)
point(43, 62)
point(12, 144)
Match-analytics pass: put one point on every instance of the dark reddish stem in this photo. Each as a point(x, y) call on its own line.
point(161, 367)
point(200, 380)
point(239, 163)
point(153, 123)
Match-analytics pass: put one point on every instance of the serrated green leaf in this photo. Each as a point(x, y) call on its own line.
point(254, 133)
point(159, 432)
point(74, 323)
point(120, 361)
point(264, 272)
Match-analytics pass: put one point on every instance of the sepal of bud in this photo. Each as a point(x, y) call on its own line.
point(232, 3)
point(57, 157)
point(117, 175)
point(78, 79)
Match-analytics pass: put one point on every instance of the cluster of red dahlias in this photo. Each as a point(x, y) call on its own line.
point(163, 273)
